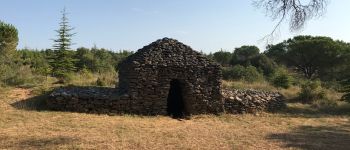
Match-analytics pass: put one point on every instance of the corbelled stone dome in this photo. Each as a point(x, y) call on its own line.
point(167, 71)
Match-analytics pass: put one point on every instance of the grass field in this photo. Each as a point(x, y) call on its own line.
point(298, 127)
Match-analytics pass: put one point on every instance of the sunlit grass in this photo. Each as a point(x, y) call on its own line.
point(32, 129)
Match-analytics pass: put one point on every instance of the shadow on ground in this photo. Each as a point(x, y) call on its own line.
point(35, 143)
point(36, 103)
point(307, 111)
point(39, 102)
point(315, 137)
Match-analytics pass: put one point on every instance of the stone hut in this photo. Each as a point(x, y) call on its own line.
point(165, 78)
point(168, 77)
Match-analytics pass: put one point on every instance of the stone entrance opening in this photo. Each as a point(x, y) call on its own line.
point(175, 101)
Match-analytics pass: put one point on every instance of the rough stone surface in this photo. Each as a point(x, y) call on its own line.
point(146, 77)
point(108, 101)
point(251, 101)
point(144, 83)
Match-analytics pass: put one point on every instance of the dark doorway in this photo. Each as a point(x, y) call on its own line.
point(175, 105)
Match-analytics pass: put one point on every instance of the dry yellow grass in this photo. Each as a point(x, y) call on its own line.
point(262, 85)
point(31, 129)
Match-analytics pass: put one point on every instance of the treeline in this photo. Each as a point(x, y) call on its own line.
point(31, 65)
point(94, 60)
point(305, 61)
point(310, 62)
point(310, 57)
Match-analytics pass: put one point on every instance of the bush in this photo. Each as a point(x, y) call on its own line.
point(311, 91)
point(238, 72)
point(251, 74)
point(281, 79)
point(18, 75)
point(233, 73)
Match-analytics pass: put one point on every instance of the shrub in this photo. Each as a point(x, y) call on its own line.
point(238, 72)
point(233, 73)
point(251, 74)
point(311, 91)
point(264, 63)
point(281, 79)
point(19, 75)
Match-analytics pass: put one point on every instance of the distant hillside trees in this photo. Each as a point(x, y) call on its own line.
point(63, 61)
point(245, 62)
point(313, 57)
point(98, 60)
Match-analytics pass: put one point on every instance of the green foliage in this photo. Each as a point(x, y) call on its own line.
point(252, 75)
point(99, 60)
point(18, 75)
point(8, 40)
point(233, 73)
point(277, 52)
point(37, 60)
point(63, 62)
point(12, 71)
point(346, 89)
point(281, 78)
point(313, 57)
point(243, 55)
point(264, 63)
point(238, 72)
point(282, 81)
point(222, 57)
point(311, 91)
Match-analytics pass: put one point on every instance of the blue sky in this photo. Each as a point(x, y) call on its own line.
point(205, 25)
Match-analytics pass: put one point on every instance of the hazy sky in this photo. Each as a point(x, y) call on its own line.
point(130, 24)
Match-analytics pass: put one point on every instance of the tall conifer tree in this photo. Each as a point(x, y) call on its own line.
point(63, 61)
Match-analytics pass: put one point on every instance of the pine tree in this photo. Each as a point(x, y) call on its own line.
point(8, 44)
point(8, 40)
point(63, 62)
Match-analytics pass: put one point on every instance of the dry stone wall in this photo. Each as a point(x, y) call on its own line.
point(252, 101)
point(88, 100)
point(107, 100)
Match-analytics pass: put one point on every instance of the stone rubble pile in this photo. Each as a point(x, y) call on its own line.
point(251, 101)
